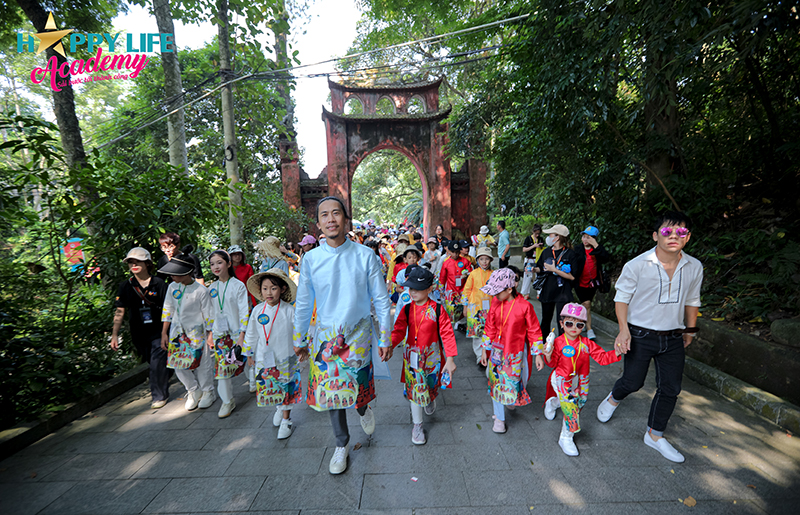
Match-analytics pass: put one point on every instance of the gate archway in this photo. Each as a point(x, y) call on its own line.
point(416, 129)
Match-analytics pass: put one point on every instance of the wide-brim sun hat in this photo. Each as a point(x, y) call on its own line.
point(484, 230)
point(483, 251)
point(500, 280)
point(413, 248)
point(559, 229)
point(139, 254)
point(254, 284)
point(270, 247)
point(177, 266)
point(400, 251)
point(574, 310)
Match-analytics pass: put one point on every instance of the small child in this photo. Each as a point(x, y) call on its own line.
point(477, 303)
point(230, 312)
point(452, 278)
point(186, 320)
point(269, 336)
point(429, 350)
point(511, 336)
point(570, 378)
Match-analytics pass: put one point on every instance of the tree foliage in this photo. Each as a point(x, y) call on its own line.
point(609, 112)
point(382, 185)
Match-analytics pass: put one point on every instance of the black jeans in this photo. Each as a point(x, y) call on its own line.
point(339, 423)
point(668, 355)
point(548, 308)
point(504, 262)
point(150, 351)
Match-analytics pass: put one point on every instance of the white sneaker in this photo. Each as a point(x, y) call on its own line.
point(285, 430)
point(253, 388)
point(417, 435)
point(192, 398)
point(550, 407)
point(207, 399)
point(226, 408)
point(566, 443)
point(430, 407)
point(605, 410)
point(338, 461)
point(590, 334)
point(664, 447)
point(368, 421)
point(277, 417)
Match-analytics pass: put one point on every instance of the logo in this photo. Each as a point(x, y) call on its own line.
point(568, 351)
point(263, 319)
point(214, 293)
point(177, 294)
point(102, 66)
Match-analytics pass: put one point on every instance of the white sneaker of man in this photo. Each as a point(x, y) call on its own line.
point(277, 417)
point(192, 398)
point(605, 410)
point(226, 409)
point(664, 447)
point(368, 421)
point(338, 461)
point(550, 407)
point(208, 398)
point(285, 431)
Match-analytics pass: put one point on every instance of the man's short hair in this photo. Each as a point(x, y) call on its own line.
point(501, 223)
point(337, 199)
point(669, 218)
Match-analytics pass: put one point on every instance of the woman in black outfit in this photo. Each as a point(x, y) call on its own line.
point(560, 266)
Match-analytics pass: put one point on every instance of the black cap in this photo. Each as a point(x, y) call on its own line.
point(418, 278)
point(454, 246)
point(464, 244)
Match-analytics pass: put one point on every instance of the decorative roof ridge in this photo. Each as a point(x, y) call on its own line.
point(417, 86)
point(417, 117)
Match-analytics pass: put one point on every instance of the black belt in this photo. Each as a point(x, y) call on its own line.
point(688, 330)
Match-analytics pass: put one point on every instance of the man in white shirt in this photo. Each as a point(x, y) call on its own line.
point(657, 301)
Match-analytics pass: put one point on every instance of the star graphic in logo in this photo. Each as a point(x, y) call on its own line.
point(48, 39)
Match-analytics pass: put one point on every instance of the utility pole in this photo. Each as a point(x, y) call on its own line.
point(173, 89)
point(228, 128)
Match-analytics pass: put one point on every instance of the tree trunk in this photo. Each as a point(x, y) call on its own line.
point(663, 124)
point(64, 100)
point(281, 31)
point(228, 127)
point(173, 89)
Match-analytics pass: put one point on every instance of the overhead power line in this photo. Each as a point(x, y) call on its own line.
point(290, 69)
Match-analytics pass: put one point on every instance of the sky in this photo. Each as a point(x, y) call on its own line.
point(329, 32)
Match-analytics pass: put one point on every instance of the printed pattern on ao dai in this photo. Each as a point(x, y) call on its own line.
point(229, 309)
point(188, 309)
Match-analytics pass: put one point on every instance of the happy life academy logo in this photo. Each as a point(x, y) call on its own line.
point(117, 66)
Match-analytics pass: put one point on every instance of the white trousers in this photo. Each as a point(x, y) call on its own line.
point(416, 412)
point(201, 377)
point(527, 278)
point(476, 347)
point(225, 390)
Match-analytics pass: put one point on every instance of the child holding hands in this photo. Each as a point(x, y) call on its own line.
point(430, 347)
point(569, 380)
point(230, 311)
point(186, 318)
point(476, 302)
point(511, 336)
point(269, 336)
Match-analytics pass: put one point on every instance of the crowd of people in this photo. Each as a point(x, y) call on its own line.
point(329, 301)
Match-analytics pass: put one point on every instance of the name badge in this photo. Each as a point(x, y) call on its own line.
point(177, 294)
point(147, 316)
point(568, 351)
point(413, 359)
point(458, 282)
point(214, 293)
point(485, 305)
point(263, 319)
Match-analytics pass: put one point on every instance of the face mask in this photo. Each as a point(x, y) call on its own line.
point(550, 241)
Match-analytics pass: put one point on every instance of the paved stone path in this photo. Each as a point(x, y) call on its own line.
point(127, 458)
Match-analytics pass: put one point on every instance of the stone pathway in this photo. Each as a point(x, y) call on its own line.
point(125, 458)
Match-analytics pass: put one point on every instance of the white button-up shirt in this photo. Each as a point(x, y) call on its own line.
point(654, 301)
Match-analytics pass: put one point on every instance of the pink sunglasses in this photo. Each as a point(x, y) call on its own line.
point(682, 232)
